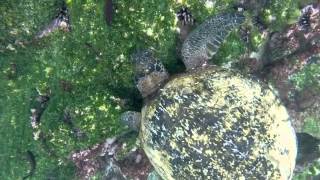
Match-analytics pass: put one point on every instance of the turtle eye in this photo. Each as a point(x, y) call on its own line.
point(149, 68)
point(158, 68)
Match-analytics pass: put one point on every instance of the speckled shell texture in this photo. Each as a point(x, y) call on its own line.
point(217, 124)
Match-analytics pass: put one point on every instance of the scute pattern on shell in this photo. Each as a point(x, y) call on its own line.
point(205, 40)
point(216, 124)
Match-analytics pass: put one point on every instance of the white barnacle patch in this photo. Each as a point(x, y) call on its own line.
point(185, 124)
point(173, 145)
point(161, 109)
point(186, 90)
point(205, 172)
point(198, 150)
point(208, 152)
point(179, 132)
point(163, 128)
point(178, 99)
point(202, 138)
point(172, 109)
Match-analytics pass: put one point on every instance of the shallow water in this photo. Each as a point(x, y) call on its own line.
point(66, 77)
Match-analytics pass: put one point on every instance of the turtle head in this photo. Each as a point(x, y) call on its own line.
point(150, 73)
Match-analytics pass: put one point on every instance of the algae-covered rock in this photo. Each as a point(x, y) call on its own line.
point(215, 123)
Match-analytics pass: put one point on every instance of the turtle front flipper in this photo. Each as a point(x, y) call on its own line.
point(150, 73)
point(204, 41)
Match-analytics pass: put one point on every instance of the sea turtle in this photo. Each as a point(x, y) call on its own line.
point(211, 122)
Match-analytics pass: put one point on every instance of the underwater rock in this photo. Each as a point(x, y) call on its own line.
point(296, 39)
point(89, 161)
point(280, 45)
point(252, 5)
point(308, 150)
point(135, 165)
point(61, 21)
point(305, 99)
point(32, 161)
point(38, 104)
point(101, 156)
point(68, 120)
point(112, 171)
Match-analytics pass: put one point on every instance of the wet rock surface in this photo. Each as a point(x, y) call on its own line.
point(136, 165)
point(107, 157)
point(294, 56)
point(309, 148)
point(288, 53)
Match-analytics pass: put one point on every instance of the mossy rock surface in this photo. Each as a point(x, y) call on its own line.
point(215, 123)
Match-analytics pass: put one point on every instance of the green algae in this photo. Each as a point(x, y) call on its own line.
point(312, 125)
point(279, 14)
point(309, 173)
point(94, 60)
point(230, 50)
point(308, 77)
